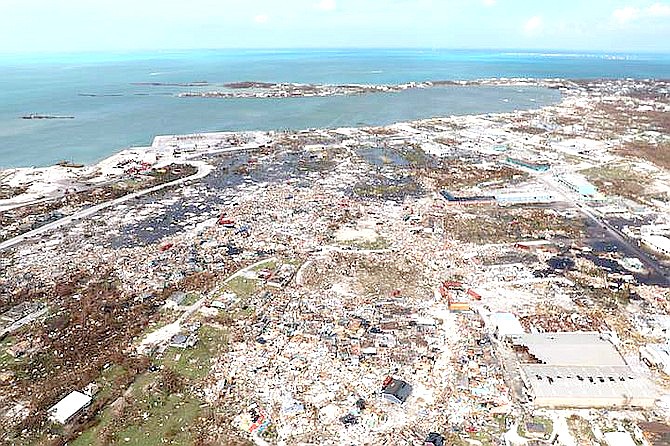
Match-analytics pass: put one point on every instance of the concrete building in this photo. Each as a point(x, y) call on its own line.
point(580, 370)
point(569, 349)
point(577, 183)
point(529, 197)
point(69, 407)
point(619, 439)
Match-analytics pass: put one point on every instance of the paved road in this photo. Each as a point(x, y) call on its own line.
point(203, 170)
point(653, 265)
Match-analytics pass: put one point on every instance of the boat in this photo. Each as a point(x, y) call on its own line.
point(37, 116)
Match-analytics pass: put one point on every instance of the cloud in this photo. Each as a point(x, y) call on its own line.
point(658, 10)
point(327, 5)
point(533, 25)
point(630, 14)
point(625, 15)
point(261, 19)
point(489, 2)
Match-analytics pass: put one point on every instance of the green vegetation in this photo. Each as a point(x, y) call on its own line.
point(581, 429)
point(270, 264)
point(376, 244)
point(619, 179)
point(194, 363)
point(242, 286)
point(191, 298)
point(159, 408)
point(387, 190)
point(491, 224)
point(168, 421)
point(415, 156)
point(6, 360)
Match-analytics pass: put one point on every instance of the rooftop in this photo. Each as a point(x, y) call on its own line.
point(587, 383)
point(570, 349)
point(69, 406)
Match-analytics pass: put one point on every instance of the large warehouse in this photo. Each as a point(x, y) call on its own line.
point(581, 370)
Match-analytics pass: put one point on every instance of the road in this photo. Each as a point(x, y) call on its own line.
point(630, 247)
point(164, 334)
point(204, 169)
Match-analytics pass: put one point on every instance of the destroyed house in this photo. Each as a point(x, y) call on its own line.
point(183, 341)
point(396, 390)
point(434, 439)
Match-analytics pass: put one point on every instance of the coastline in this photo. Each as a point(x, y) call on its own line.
point(105, 125)
point(35, 186)
point(49, 182)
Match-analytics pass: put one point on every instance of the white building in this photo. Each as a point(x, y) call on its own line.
point(658, 243)
point(529, 197)
point(69, 407)
point(505, 324)
point(580, 370)
point(578, 183)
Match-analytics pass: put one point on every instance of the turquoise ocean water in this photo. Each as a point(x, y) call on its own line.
point(126, 114)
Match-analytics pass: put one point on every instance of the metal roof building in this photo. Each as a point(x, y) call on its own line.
point(570, 349)
point(582, 370)
point(658, 243)
point(67, 408)
point(592, 386)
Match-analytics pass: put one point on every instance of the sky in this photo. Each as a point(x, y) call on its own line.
point(28, 26)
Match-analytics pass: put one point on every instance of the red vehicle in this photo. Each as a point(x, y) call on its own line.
point(227, 222)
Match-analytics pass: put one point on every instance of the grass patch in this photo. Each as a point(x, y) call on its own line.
point(376, 244)
point(399, 190)
point(153, 418)
point(154, 414)
point(270, 264)
point(190, 299)
point(166, 420)
point(243, 287)
point(619, 180)
point(6, 360)
point(194, 363)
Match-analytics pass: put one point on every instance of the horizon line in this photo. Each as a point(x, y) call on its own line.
point(566, 51)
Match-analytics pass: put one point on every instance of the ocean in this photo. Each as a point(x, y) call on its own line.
point(123, 113)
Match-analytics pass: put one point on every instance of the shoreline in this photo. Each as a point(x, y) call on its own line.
point(548, 83)
point(51, 182)
point(146, 139)
point(60, 176)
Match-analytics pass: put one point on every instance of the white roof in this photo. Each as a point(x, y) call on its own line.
point(587, 382)
point(619, 439)
point(570, 349)
point(658, 353)
point(68, 407)
point(658, 241)
point(506, 324)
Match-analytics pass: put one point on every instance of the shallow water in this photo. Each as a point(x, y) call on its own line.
point(126, 114)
